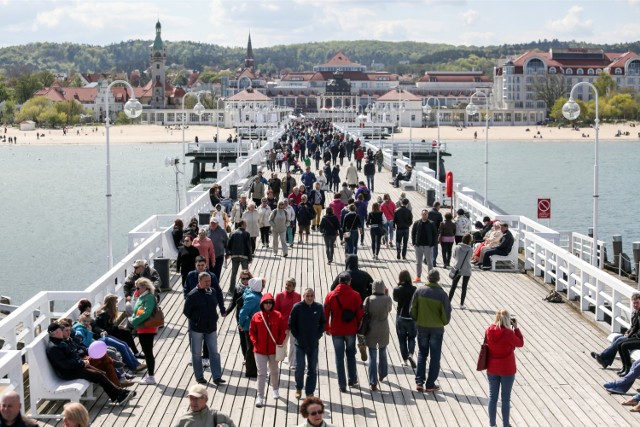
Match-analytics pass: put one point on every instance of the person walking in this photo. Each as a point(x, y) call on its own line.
point(264, 211)
point(307, 323)
point(431, 310)
point(377, 307)
point(205, 248)
point(463, 225)
point(144, 308)
point(436, 217)
point(462, 256)
point(375, 221)
point(252, 218)
point(236, 303)
point(186, 260)
point(285, 301)
point(317, 198)
point(405, 325)
point(279, 221)
point(369, 172)
point(329, 227)
point(220, 238)
point(350, 227)
point(250, 306)
point(388, 208)
point(402, 219)
point(503, 337)
point(239, 250)
point(447, 236)
point(200, 309)
point(266, 331)
point(343, 310)
point(423, 238)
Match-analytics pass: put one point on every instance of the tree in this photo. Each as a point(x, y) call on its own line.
point(76, 81)
point(4, 92)
point(46, 78)
point(550, 88)
point(623, 106)
point(25, 86)
point(8, 111)
point(605, 84)
point(72, 110)
point(32, 109)
point(51, 117)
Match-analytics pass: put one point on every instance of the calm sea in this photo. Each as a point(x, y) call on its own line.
point(53, 205)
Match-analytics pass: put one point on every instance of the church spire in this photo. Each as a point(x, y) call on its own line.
point(249, 60)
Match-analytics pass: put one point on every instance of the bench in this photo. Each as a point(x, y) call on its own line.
point(510, 260)
point(45, 384)
point(635, 354)
point(409, 185)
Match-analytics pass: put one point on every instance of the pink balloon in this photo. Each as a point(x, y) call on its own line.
point(97, 349)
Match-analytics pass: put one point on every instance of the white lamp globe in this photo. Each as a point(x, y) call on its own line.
point(133, 108)
point(472, 109)
point(571, 109)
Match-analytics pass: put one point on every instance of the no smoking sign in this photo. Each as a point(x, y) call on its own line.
point(544, 208)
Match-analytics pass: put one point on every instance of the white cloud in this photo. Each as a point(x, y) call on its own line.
point(572, 23)
point(470, 16)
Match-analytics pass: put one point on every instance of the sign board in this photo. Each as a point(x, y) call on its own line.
point(544, 208)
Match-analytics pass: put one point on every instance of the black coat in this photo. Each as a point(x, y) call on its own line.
point(361, 281)
point(423, 233)
point(239, 244)
point(186, 260)
point(200, 309)
point(65, 361)
point(307, 323)
point(402, 218)
point(402, 295)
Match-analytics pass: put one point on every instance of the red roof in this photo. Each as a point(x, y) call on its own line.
point(339, 59)
point(394, 95)
point(58, 93)
point(247, 95)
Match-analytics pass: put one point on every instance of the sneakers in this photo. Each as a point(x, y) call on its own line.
point(205, 363)
point(276, 394)
point(148, 380)
point(128, 376)
point(141, 367)
point(298, 394)
point(363, 352)
point(417, 279)
point(404, 363)
point(434, 388)
point(420, 388)
point(259, 402)
point(139, 355)
point(123, 397)
point(201, 381)
point(613, 388)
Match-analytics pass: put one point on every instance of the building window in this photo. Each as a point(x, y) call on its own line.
point(568, 71)
point(590, 72)
point(535, 66)
point(599, 71)
point(579, 72)
point(634, 68)
point(552, 70)
point(618, 71)
point(157, 66)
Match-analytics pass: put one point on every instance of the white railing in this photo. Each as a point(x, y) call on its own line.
point(592, 286)
point(224, 147)
point(582, 246)
point(11, 372)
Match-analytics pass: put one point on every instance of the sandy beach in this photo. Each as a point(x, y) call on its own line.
point(130, 134)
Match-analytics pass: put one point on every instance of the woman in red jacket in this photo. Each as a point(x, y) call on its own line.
point(503, 336)
point(267, 328)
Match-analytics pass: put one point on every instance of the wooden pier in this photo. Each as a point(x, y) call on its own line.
point(558, 384)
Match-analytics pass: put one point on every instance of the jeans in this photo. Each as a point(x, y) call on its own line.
point(329, 242)
point(495, 382)
point(235, 264)
point(377, 369)
point(345, 345)
point(454, 285)
point(308, 356)
point(402, 240)
point(376, 237)
point(127, 355)
point(370, 182)
point(608, 355)
point(446, 252)
point(390, 230)
point(429, 343)
point(196, 350)
point(423, 253)
point(407, 332)
point(351, 243)
point(435, 255)
point(627, 381)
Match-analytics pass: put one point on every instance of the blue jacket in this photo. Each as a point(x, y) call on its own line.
point(81, 331)
point(250, 307)
point(307, 323)
point(200, 309)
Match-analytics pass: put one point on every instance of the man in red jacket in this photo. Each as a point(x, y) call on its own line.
point(284, 303)
point(343, 310)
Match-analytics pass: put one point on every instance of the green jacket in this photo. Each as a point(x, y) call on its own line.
point(430, 308)
point(203, 418)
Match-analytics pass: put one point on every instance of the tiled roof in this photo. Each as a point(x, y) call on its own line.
point(247, 95)
point(394, 95)
point(339, 59)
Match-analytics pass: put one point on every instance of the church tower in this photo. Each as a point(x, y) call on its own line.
point(158, 55)
point(249, 61)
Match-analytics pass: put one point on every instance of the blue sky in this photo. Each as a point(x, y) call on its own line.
point(272, 22)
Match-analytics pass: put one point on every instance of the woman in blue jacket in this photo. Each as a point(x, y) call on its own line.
point(251, 305)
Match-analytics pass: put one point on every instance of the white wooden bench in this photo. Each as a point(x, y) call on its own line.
point(409, 185)
point(45, 384)
point(510, 260)
point(635, 354)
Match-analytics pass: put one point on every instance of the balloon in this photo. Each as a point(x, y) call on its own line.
point(97, 349)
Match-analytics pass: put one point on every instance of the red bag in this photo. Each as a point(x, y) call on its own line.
point(483, 357)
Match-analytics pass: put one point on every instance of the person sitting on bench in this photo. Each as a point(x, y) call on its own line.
point(503, 249)
point(406, 176)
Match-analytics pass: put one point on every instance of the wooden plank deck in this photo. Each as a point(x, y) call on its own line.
point(558, 384)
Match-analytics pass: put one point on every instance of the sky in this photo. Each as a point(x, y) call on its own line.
point(275, 22)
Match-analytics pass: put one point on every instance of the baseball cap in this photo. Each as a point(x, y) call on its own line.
point(214, 220)
point(53, 327)
point(139, 263)
point(198, 390)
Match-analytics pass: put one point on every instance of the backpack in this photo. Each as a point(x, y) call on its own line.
point(553, 297)
point(366, 194)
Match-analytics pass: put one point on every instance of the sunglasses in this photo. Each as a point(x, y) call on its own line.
point(313, 414)
point(268, 302)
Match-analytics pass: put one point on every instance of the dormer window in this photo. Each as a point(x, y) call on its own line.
point(618, 71)
point(580, 72)
point(568, 71)
point(552, 70)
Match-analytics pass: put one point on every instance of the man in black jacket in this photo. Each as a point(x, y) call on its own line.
point(68, 365)
point(240, 251)
point(405, 325)
point(307, 322)
point(369, 172)
point(436, 218)
point(402, 220)
point(200, 309)
point(423, 237)
point(503, 248)
point(361, 281)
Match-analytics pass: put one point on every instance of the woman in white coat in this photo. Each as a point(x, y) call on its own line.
point(250, 216)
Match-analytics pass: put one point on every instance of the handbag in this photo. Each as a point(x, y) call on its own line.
point(456, 271)
point(156, 320)
point(365, 323)
point(281, 353)
point(483, 357)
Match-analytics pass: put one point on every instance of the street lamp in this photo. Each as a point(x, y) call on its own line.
point(472, 110)
point(132, 109)
point(198, 109)
point(427, 110)
point(571, 110)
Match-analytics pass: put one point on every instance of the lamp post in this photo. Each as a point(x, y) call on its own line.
point(571, 110)
point(472, 110)
point(198, 109)
point(427, 110)
point(132, 109)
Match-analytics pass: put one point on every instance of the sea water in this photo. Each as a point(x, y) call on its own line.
point(53, 205)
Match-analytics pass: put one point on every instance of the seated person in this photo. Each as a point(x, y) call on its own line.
point(10, 411)
point(490, 240)
point(622, 385)
point(140, 269)
point(503, 248)
point(68, 365)
point(199, 413)
point(406, 176)
point(624, 344)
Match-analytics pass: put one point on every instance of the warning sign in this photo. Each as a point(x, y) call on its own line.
point(544, 208)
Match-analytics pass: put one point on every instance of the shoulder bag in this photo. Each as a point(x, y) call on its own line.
point(456, 271)
point(347, 315)
point(347, 234)
point(365, 324)
point(281, 353)
point(483, 357)
point(156, 320)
